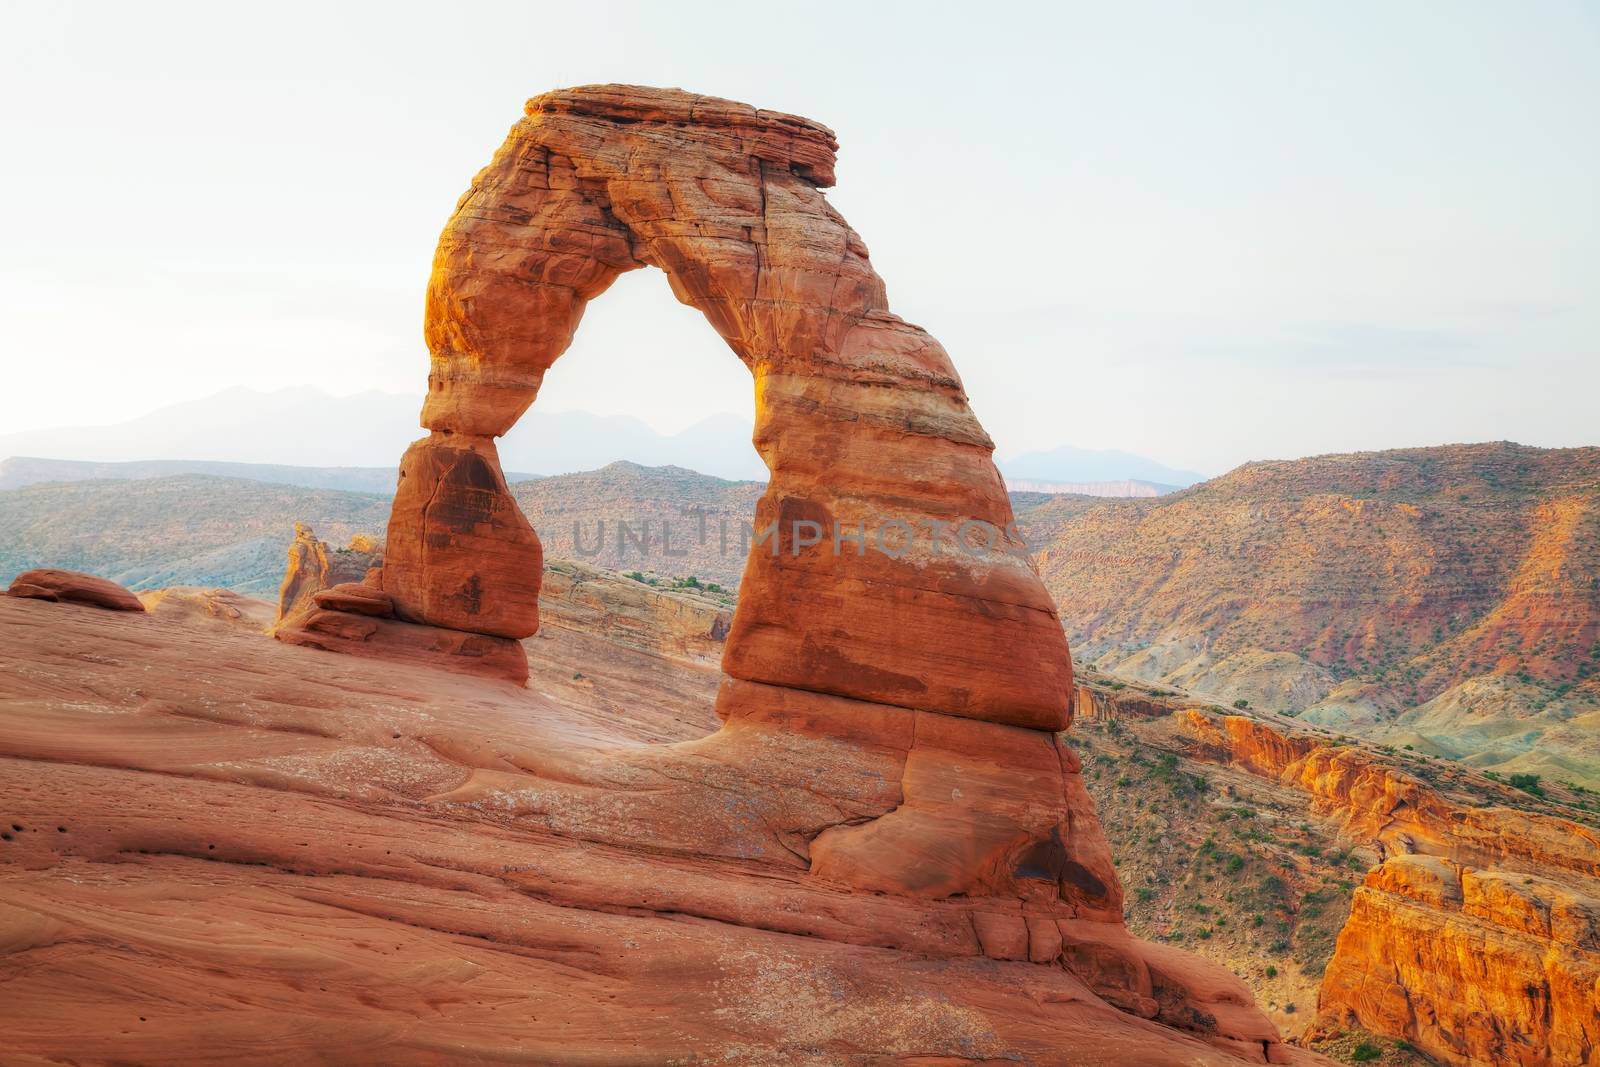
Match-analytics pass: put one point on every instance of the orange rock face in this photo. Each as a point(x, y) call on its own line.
point(74, 588)
point(885, 593)
point(356, 629)
point(460, 554)
point(1471, 966)
point(1390, 808)
point(1477, 940)
point(221, 605)
point(315, 565)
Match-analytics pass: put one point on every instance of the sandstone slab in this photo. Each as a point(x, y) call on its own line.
point(73, 588)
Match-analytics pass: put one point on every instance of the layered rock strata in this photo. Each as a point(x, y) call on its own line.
point(861, 417)
point(895, 669)
point(1477, 939)
point(1472, 966)
point(314, 564)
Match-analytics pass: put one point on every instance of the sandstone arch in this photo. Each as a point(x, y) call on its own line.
point(889, 722)
point(861, 417)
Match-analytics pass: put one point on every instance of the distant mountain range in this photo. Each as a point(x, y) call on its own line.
point(19, 471)
point(1125, 488)
point(307, 428)
point(289, 436)
point(1068, 464)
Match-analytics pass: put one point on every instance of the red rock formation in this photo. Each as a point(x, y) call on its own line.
point(892, 697)
point(1471, 966)
point(1103, 703)
point(355, 598)
point(314, 565)
point(343, 628)
point(460, 552)
point(221, 605)
point(73, 588)
point(1384, 805)
point(860, 416)
point(332, 600)
point(270, 849)
point(588, 600)
point(1477, 940)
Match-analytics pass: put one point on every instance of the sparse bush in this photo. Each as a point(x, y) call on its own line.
point(1365, 1052)
point(1528, 783)
point(1241, 703)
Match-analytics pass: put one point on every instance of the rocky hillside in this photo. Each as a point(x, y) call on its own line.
point(1443, 598)
point(1380, 903)
point(17, 472)
point(186, 530)
point(653, 520)
point(148, 532)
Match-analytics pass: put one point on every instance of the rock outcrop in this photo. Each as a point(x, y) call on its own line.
point(282, 855)
point(861, 416)
point(315, 565)
point(896, 671)
point(678, 623)
point(71, 587)
point(1477, 939)
point(222, 605)
point(1472, 966)
point(332, 599)
point(1382, 804)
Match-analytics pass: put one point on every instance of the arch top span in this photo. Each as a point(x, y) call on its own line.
point(860, 416)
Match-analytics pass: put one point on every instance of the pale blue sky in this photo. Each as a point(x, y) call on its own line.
point(1202, 232)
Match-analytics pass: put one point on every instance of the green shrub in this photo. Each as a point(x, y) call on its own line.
point(1528, 783)
point(1365, 1052)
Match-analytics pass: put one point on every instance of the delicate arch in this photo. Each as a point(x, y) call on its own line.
point(860, 417)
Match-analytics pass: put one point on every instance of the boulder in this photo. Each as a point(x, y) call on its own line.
point(73, 587)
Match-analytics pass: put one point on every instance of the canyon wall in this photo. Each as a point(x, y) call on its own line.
point(1475, 939)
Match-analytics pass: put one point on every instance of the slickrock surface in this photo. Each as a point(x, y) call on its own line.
point(223, 605)
point(331, 599)
point(74, 588)
point(887, 781)
point(216, 841)
point(917, 685)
